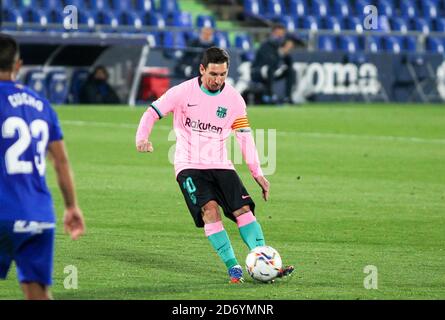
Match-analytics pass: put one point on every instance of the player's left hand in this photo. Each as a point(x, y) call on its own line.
point(73, 222)
point(265, 185)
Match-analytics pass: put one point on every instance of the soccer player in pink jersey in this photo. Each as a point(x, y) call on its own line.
point(205, 111)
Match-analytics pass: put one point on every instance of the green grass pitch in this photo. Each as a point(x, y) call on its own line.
point(355, 185)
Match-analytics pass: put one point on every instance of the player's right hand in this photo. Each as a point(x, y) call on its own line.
point(265, 186)
point(144, 146)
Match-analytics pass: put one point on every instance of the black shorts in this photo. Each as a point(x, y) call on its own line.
point(221, 185)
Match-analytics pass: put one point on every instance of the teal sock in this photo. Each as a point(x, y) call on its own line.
point(221, 243)
point(252, 235)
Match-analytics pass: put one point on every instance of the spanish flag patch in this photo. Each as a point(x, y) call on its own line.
point(240, 123)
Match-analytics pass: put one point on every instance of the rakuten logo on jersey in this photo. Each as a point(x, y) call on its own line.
point(202, 127)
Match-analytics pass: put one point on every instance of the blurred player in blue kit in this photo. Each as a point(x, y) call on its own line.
point(29, 129)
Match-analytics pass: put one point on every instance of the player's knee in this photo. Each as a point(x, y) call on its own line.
point(210, 212)
point(241, 211)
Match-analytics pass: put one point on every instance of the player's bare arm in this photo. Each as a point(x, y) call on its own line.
point(74, 223)
point(265, 186)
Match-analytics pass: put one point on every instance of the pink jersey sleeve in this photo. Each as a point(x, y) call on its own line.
point(158, 109)
point(146, 123)
point(248, 149)
point(245, 140)
point(168, 102)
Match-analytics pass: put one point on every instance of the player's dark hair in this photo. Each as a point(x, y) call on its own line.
point(9, 52)
point(215, 55)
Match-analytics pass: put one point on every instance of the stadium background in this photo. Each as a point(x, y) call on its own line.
point(360, 175)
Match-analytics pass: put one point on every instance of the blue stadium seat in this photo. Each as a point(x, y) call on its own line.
point(311, 23)
point(14, 16)
point(192, 35)
point(78, 79)
point(98, 5)
point(360, 6)
point(349, 44)
point(37, 17)
point(422, 25)
point(386, 7)
point(146, 5)
point(35, 79)
point(399, 24)
point(440, 25)
point(174, 43)
point(87, 21)
point(169, 7)
point(107, 19)
point(57, 87)
point(55, 19)
point(320, 8)
point(334, 23)
point(430, 8)
point(408, 9)
point(436, 45)
point(174, 40)
point(353, 23)
point(298, 8)
point(384, 24)
point(341, 8)
point(21, 4)
point(289, 23)
point(394, 44)
point(441, 6)
point(9, 4)
point(253, 8)
point(374, 44)
point(274, 9)
point(7, 17)
point(182, 19)
point(122, 6)
point(244, 43)
point(327, 43)
point(55, 16)
point(48, 4)
point(410, 44)
point(131, 19)
point(222, 39)
point(205, 21)
point(157, 20)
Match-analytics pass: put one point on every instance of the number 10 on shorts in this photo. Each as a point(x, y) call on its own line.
point(191, 188)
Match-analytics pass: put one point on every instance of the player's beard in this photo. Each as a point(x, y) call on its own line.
point(215, 87)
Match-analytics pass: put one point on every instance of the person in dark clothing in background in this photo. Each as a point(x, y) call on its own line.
point(188, 66)
point(96, 89)
point(273, 61)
